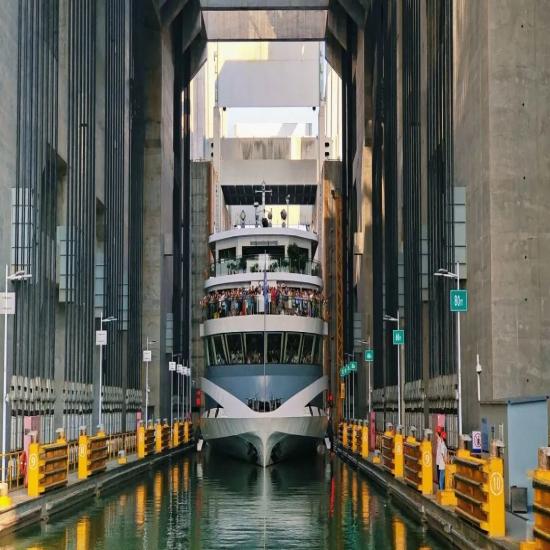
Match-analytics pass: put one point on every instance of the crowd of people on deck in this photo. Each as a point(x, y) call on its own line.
point(281, 300)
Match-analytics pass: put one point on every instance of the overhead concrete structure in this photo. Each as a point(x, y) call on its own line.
point(290, 25)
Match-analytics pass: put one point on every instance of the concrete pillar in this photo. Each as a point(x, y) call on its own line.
point(8, 151)
point(158, 213)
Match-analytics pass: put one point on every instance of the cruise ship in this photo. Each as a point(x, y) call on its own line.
point(263, 328)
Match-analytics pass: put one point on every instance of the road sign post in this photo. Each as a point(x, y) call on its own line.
point(398, 337)
point(458, 301)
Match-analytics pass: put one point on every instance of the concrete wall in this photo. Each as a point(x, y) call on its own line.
point(471, 168)
point(502, 157)
point(8, 136)
point(198, 269)
point(273, 172)
point(275, 148)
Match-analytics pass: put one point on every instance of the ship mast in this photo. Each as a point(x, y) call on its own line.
point(263, 191)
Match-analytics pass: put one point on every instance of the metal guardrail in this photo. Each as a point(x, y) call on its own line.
point(15, 477)
point(217, 308)
point(17, 466)
point(115, 442)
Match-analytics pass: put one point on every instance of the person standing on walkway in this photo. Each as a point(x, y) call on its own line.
point(441, 456)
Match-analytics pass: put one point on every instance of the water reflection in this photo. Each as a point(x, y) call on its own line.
point(214, 502)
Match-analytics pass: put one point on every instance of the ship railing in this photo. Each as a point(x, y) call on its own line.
point(285, 304)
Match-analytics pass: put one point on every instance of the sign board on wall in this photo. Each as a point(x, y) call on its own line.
point(476, 442)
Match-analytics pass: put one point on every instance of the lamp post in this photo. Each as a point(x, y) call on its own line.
point(450, 275)
point(172, 367)
point(351, 405)
point(147, 359)
point(9, 309)
point(101, 340)
point(188, 374)
point(369, 380)
point(180, 370)
point(390, 319)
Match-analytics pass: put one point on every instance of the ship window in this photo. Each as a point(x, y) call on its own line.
point(307, 349)
point(211, 350)
point(274, 341)
point(254, 352)
point(235, 348)
point(206, 350)
point(318, 351)
point(292, 348)
point(220, 355)
point(227, 254)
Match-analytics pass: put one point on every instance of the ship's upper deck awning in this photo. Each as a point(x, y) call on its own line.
point(247, 194)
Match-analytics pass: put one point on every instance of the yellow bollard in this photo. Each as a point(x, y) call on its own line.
point(354, 429)
point(158, 437)
point(176, 434)
point(186, 432)
point(34, 469)
point(427, 467)
point(5, 499)
point(398, 453)
point(365, 441)
point(497, 524)
point(541, 500)
point(141, 451)
point(82, 454)
point(345, 435)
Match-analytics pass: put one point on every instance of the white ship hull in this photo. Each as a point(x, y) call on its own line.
point(266, 437)
point(264, 440)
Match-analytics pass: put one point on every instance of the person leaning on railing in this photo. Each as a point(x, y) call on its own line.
point(248, 301)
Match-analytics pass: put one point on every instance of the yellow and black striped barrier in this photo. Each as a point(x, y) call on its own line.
point(48, 465)
point(479, 491)
point(145, 440)
point(418, 468)
point(92, 453)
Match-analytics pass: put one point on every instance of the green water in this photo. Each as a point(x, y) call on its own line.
point(213, 502)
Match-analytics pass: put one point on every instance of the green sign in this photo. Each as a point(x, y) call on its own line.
point(369, 355)
point(459, 300)
point(398, 337)
point(353, 366)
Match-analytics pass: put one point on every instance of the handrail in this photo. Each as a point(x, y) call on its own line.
point(253, 264)
point(252, 305)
